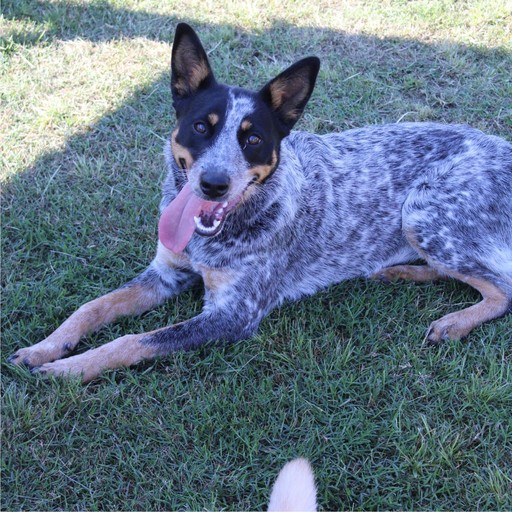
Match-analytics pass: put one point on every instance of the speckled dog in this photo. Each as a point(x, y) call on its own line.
point(262, 214)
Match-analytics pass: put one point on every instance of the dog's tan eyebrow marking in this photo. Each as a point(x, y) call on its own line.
point(180, 153)
point(246, 125)
point(213, 118)
point(261, 172)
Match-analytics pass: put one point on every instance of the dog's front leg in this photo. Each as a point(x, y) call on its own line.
point(166, 277)
point(225, 324)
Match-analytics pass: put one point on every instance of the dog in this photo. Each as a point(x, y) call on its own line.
point(262, 214)
point(294, 488)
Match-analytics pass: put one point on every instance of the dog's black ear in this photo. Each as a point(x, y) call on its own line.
point(190, 69)
point(288, 93)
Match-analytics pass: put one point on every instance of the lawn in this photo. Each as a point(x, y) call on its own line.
point(344, 377)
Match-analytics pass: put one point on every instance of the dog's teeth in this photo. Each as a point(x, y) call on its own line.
point(206, 229)
point(224, 204)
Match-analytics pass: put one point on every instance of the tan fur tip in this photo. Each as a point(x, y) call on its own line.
point(294, 489)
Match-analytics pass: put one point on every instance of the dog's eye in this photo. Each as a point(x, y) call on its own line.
point(253, 140)
point(200, 127)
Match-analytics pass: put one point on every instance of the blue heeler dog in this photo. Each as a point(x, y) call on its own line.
point(262, 214)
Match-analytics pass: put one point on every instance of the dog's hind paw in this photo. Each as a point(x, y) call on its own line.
point(449, 327)
point(418, 273)
point(435, 336)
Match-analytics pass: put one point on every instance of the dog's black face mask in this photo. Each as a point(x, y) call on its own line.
point(227, 140)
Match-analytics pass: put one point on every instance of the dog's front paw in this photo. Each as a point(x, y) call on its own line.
point(71, 367)
point(31, 357)
point(40, 353)
point(90, 364)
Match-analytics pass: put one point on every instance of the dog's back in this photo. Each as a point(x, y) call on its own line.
point(340, 199)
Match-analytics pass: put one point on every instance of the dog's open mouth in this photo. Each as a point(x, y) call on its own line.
point(188, 213)
point(209, 223)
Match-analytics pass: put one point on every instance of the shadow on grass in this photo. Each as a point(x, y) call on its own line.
point(96, 22)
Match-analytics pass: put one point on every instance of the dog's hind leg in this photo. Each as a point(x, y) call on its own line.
point(162, 280)
point(463, 232)
point(455, 325)
point(496, 291)
point(495, 303)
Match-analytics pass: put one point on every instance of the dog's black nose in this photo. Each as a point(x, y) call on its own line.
point(214, 184)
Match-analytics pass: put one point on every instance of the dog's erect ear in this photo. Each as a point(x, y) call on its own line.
point(288, 93)
point(190, 69)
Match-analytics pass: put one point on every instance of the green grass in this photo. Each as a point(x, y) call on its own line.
point(342, 378)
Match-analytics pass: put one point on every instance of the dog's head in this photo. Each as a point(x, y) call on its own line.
point(227, 139)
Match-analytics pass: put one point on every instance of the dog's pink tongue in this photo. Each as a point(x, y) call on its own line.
point(176, 225)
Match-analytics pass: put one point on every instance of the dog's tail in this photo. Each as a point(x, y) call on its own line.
point(294, 489)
